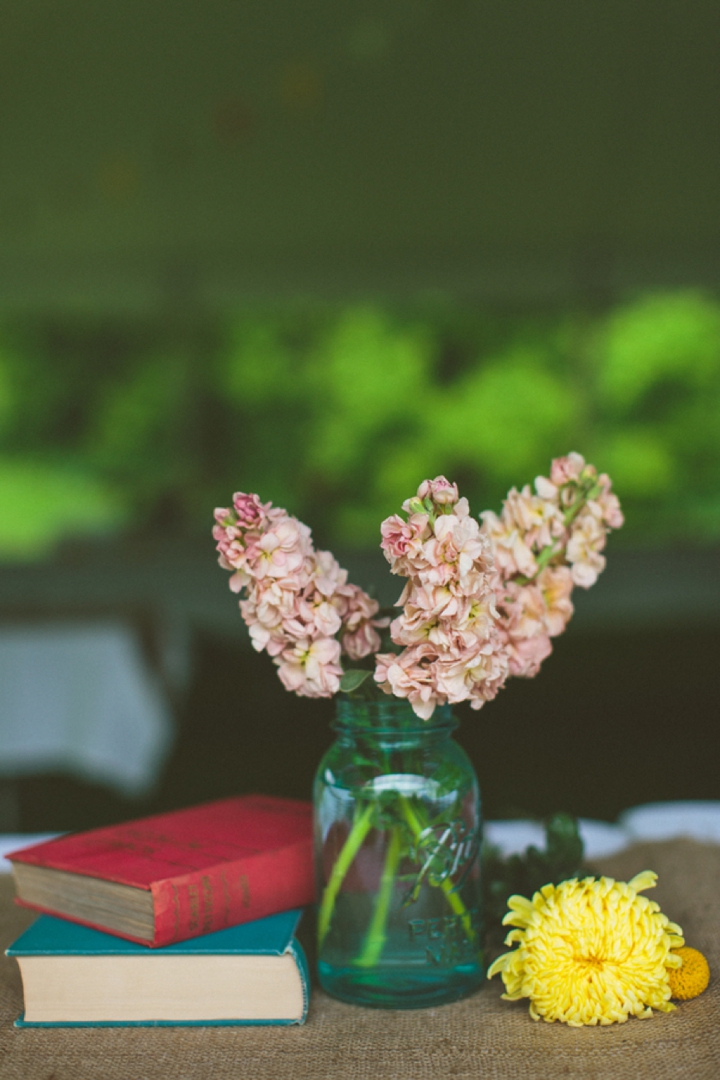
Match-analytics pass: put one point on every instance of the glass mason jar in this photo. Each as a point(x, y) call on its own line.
point(397, 841)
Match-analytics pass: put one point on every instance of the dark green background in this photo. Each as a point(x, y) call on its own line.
point(161, 151)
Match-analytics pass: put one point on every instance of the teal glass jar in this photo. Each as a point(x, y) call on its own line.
point(397, 841)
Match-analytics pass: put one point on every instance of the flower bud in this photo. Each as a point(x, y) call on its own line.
point(440, 490)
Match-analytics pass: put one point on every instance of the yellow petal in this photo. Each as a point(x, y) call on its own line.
point(497, 965)
point(646, 879)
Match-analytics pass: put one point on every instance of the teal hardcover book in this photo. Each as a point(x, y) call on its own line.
point(255, 973)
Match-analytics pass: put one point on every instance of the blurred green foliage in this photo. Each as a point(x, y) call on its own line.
point(338, 412)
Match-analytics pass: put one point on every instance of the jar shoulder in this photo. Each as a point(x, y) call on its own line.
point(376, 768)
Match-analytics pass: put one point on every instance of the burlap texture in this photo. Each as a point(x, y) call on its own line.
point(480, 1037)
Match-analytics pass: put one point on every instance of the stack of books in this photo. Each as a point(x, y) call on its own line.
point(180, 918)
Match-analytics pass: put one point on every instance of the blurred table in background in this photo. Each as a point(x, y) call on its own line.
point(78, 698)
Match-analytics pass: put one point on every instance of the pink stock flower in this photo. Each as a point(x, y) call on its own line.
point(546, 489)
point(440, 490)
point(527, 654)
point(281, 550)
point(480, 602)
point(609, 504)
point(360, 640)
point(359, 637)
point(539, 520)
point(448, 624)
point(251, 513)
point(224, 517)
point(229, 544)
point(410, 675)
point(528, 524)
point(458, 544)
point(523, 608)
point(587, 539)
point(561, 528)
point(447, 552)
point(476, 621)
point(330, 578)
point(436, 614)
point(239, 580)
point(403, 540)
point(585, 572)
point(264, 640)
point(297, 600)
point(556, 586)
point(425, 606)
point(428, 675)
point(311, 668)
point(478, 675)
point(313, 616)
point(510, 552)
point(266, 610)
point(566, 468)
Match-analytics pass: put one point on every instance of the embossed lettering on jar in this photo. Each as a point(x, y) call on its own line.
point(397, 828)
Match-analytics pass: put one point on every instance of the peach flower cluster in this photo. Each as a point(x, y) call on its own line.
point(545, 542)
point(531, 615)
point(298, 604)
point(453, 648)
point(481, 602)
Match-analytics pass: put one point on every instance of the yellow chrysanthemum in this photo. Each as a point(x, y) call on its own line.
point(692, 978)
point(590, 952)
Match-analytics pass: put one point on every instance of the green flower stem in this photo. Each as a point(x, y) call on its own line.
point(586, 495)
point(545, 556)
point(361, 827)
point(447, 886)
point(549, 553)
point(376, 935)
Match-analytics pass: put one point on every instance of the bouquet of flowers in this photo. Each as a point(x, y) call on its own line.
point(482, 600)
point(397, 809)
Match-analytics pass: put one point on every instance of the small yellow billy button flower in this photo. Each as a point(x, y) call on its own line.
point(590, 952)
point(692, 978)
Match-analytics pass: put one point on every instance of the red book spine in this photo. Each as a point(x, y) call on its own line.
point(232, 893)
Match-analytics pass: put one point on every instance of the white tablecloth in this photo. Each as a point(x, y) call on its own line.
point(654, 821)
point(79, 698)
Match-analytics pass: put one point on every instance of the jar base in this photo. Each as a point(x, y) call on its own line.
point(402, 989)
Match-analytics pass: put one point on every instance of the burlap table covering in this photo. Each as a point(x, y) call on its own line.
point(480, 1037)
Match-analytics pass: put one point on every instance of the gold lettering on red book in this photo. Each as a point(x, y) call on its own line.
point(226, 897)
point(245, 888)
point(194, 906)
point(176, 908)
point(207, 903)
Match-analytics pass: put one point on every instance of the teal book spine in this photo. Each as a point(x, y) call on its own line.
point(272, 936)
point(21, 1022)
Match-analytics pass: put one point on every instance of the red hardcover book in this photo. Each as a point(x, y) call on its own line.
point(175, 876)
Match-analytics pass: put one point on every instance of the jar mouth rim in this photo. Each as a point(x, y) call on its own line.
point(393, 717)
